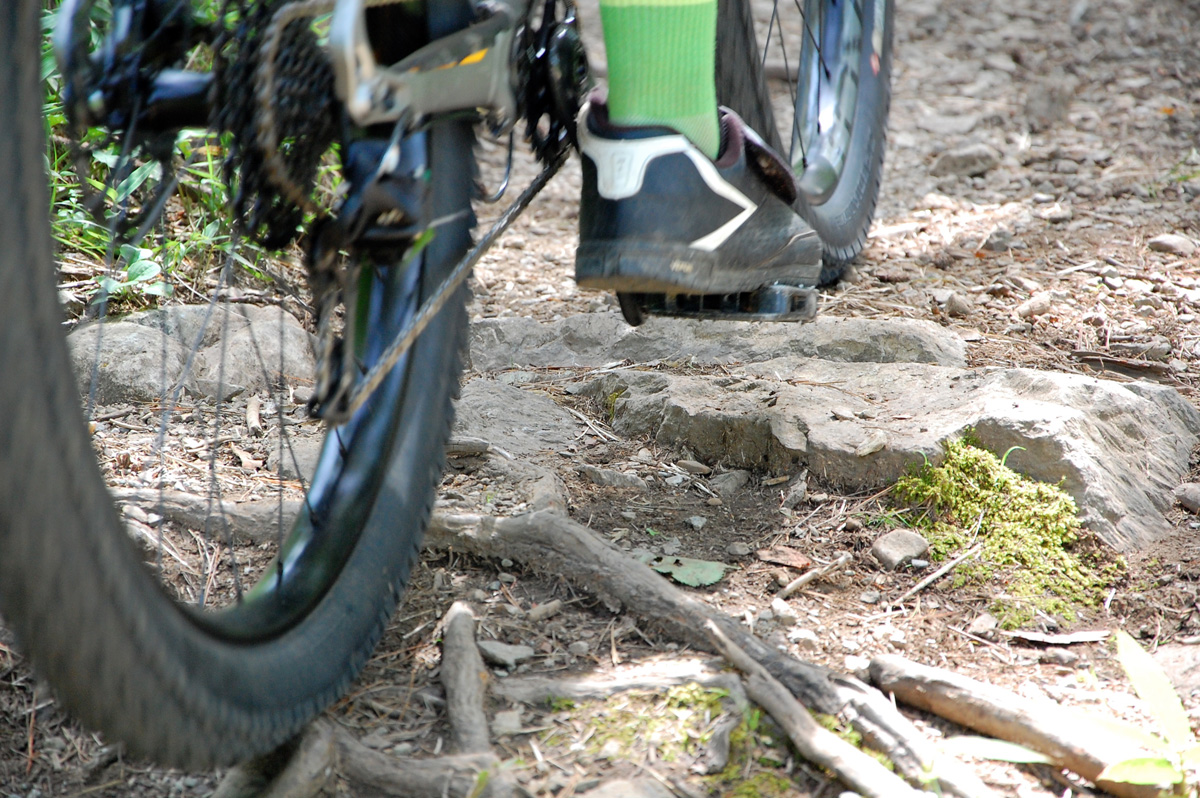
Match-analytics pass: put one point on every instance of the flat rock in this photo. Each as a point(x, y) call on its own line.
point(1118, 449)
point(634, 788)
point(729, 483)
point(194, 326)
point(299, 456)
point(898, 547)
point(521, 422)
point(597, 339)
point(608, 478)
point(506, 723)
point(269, 349)
point(970, 160)
point(1173, 244)
point(127, 360)
point(503, 654)
point(1181, 663)
point(1188, 494)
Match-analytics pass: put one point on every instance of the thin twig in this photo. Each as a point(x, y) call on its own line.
point(814, 574)
point(939, 573)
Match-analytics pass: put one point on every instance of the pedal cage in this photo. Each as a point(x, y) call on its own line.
point(776, 302)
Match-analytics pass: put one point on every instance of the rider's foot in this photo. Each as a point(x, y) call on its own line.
point(658, 216)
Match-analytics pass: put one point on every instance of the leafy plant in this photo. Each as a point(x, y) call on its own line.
point(1180, 752)
point(195, 233)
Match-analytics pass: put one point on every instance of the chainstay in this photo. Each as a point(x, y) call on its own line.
point(405, 338)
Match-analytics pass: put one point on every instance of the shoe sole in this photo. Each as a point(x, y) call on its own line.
point(636, 268)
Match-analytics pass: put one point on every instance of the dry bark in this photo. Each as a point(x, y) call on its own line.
point(465, 679)
point(247, 522)
point(1067, 737)
point(653, 675)
point(302, 769)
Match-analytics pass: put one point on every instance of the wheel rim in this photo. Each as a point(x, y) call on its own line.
point(821, 60)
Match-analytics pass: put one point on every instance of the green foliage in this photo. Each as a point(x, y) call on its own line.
point(1035, 554)
point(685, 570)
point(991, 748)
point(195, 234)
point(1166, 765)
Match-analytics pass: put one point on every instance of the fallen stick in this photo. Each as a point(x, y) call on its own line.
point(1069, 739)
point(254, 521)
point(372, 773)
point(551, 543)
point(819, 745)
point(938, 574)
point(813, 575)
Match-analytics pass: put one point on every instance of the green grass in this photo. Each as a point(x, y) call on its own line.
point(194, 235)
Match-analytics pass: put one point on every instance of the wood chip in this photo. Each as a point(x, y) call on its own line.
point(785, 555)
point(1058, 640)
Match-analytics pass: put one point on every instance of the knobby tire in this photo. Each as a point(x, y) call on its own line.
point(121, 655)
point(843, 220)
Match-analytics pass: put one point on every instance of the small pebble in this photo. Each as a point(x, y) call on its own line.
point(805, 639)
point(870, 597)
point(697, 522)
point(693, 467)
point(579, 648)
point(1035, 306)
point(737, 549)
point(1059, 656)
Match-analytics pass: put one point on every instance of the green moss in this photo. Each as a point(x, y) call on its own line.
point(673, 724)
point(1035, 554)
point(610, 404)
point(763, 784)
point(851, 735)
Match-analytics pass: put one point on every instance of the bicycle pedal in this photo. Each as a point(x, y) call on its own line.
point(777, 302)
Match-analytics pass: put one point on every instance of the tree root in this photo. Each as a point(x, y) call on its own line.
point(552, 543)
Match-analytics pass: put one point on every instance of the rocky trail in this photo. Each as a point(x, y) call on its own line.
point(1033, 276)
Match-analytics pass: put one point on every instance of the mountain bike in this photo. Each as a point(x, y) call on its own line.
point(197, 670)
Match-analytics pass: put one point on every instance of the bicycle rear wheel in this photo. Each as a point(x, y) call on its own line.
point(829, 63)
point(181, 686)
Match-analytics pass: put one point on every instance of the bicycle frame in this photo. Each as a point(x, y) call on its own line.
point(471, 69)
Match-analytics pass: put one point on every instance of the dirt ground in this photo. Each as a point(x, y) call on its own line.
point(1092, 109)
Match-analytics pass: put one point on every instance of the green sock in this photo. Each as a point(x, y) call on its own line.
point(661, 66)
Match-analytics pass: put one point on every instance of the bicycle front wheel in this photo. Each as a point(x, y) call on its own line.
point(814, 79)
point(178, 684)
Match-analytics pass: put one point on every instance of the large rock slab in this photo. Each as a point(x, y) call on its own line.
point(521, 422)
point(1118, 449)
point(129, 362)
point(596, 339)
point(262, 347)
point(266, 348)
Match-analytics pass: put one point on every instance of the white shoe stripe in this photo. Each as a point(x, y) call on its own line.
point(719, 186)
